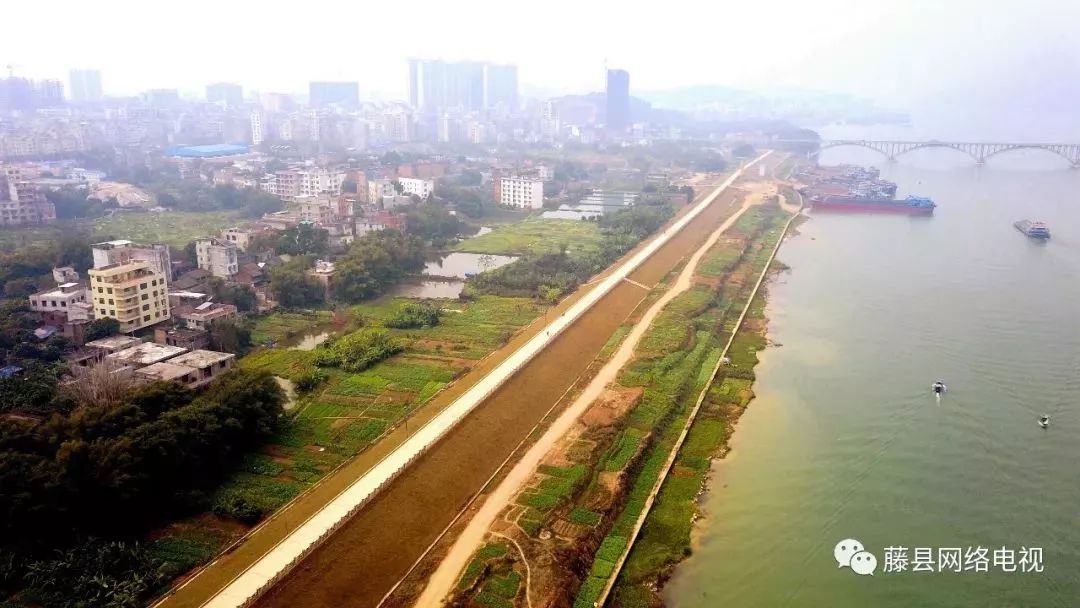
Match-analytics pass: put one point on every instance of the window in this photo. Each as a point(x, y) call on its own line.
point(109, 290)
point(100, 290)
point(110, 301)
point(63, 304)
point(146, 307)
point(146, 318)
point(142, 285)
point(144, 296)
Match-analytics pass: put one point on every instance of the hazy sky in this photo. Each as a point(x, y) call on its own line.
point(903, 50)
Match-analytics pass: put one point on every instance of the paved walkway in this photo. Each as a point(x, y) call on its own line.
point(286, 554)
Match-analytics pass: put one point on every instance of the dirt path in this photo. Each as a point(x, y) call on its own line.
point(444, 578)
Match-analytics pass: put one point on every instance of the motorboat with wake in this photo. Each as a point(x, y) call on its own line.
point(1044, 421)
point(939, 387)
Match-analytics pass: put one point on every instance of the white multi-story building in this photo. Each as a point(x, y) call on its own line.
point(257, 136)
point(291, 184)
point(420, 187)
point(60, 299)
point(379, 189)
point(217, 256)
point(521, 192)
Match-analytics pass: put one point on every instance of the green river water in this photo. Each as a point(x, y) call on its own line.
point(846, 440)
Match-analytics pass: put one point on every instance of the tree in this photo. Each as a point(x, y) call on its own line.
point(374, 262)
point(470, 177)
point(304, 239)
point(742, 150)
point(432, 222)
point(102, 328)
point(230, 336)
point(74, 250)
point(241, 296)
point(71, 203)
point(101, 385)
point(293, 288)
point(20, 288)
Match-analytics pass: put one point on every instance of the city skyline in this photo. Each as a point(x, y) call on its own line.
point(830, 45)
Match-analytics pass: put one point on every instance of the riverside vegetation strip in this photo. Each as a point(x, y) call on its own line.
point(573, 519)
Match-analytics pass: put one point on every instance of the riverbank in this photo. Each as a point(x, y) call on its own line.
point(664, 536)
point(568, 526)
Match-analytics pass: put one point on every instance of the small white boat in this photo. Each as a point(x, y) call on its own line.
point(1044, 421)
point(939, 387)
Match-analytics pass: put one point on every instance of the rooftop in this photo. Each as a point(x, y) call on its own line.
point(201, 358)
point(164, 371)
point(145, 354)
point(114, 343)
point(208, 151)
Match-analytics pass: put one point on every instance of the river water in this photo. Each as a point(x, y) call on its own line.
point(845, 439)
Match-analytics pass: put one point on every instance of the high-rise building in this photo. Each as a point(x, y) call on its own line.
point(329, 93)
point(85, 85)
point(16, 94)
point(226, 93)
point(162, 97)
point(48, 93)
point(618, 100)
point(500, 86)
point(257, 135)
point(469, 86)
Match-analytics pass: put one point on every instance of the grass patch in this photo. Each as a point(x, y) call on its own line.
point(585, 517)
point(536, 236)
point(476, 566)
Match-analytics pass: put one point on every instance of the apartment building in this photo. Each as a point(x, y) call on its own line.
point(134, 293)
point(21, 201)
point(219, 257)
point(242, 236)
point(129, 283)
point(378, 189)
point(420, 187)
point(523, 193)
point(291, 184)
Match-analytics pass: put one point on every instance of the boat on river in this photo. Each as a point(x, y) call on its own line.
point(1035, 230)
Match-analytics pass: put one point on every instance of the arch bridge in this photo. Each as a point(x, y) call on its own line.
point(980, 151)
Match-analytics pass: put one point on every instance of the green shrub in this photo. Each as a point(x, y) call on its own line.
point(310, 380)
point(411, 315)
point(358, 350)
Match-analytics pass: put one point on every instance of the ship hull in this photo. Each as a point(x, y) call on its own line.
point(872, 208)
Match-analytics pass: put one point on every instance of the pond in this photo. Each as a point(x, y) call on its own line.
point(460, 265)
point(428, 289)
point(306, 341)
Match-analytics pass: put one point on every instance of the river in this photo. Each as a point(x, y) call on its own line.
point(845, 439)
